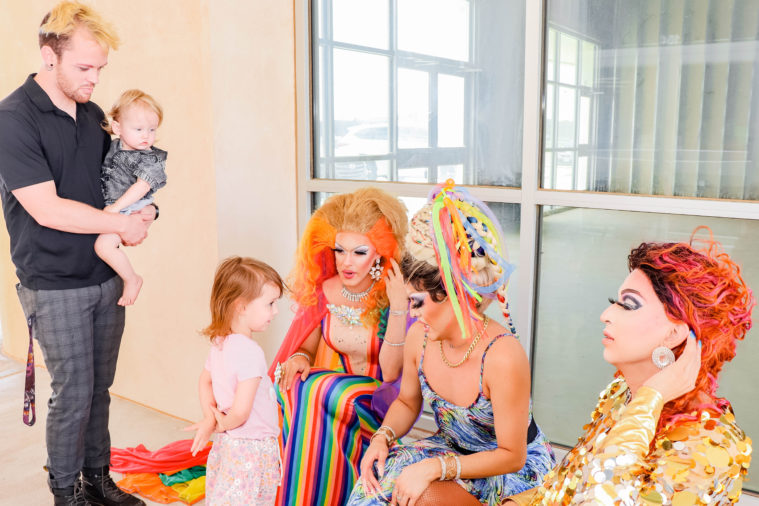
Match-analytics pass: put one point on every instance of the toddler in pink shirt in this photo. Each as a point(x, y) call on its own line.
point(236, 394)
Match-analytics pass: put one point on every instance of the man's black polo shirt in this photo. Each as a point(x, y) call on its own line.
point(38, 143)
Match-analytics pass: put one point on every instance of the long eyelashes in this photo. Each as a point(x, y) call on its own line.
point(624, 305)
point(417, 301)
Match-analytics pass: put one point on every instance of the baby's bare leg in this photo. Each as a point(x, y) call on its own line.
point(107, 248)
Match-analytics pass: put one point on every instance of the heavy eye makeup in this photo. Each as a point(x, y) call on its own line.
point(627, 303)
point(359, 250)
point(417, 300)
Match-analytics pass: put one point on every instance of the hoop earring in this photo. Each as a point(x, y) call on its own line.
point(375, 272)
point(662, 357)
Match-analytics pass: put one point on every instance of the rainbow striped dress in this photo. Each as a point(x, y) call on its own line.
point(326, 424)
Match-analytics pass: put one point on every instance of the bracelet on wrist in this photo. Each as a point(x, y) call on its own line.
point(300, 354)
point(450, 467)
point(442, 468)
point(398, 312)
point(387, 432)
point(393, 344)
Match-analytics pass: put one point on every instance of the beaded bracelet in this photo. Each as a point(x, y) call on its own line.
point(450, 469)
point(389, 429)
point(385, 431)
point(300, 354)
point(442, 468)
point(393, 344)
point(398, 312)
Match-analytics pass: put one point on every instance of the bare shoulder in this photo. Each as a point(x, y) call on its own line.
point(506, 353)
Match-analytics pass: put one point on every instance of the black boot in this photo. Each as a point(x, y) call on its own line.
point(71, 496)
point(99, 488)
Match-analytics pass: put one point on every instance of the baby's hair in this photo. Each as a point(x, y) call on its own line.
point(237, 279)
point(132, 98)
point(60, 23)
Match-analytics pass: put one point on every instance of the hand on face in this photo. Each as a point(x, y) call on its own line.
point(680, 377)
point(396, 288)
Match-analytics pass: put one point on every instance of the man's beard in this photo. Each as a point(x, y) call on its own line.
point(70, 91)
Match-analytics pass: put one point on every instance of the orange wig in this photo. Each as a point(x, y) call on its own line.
point(704, 289)
point(368, 211)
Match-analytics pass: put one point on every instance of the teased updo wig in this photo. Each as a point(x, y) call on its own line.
point(704, 289)
point(455, 249)
point(368, 211)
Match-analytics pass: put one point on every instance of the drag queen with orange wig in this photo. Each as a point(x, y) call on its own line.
point(341, 360)
point(660, 434)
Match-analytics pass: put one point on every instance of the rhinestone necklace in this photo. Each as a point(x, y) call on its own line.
point(476, 339)
point(356, 297)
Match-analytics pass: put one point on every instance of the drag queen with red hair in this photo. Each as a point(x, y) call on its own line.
point(341, 360)
point(660, 434)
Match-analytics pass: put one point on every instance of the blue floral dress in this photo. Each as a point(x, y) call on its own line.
point(463, 431)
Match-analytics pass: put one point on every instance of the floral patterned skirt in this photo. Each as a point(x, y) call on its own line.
point(242, 471)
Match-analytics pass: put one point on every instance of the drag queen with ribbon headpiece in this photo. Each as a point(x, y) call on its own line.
point(344, 342)
point(660, 434)
point(471, 370)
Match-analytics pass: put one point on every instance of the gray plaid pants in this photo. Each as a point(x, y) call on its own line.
point(79, 331)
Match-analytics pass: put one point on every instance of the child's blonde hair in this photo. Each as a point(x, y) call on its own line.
point(60, 23)
point(129, 99)
point(237, 279)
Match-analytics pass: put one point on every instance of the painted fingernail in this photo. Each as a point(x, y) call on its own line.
point(692, 334)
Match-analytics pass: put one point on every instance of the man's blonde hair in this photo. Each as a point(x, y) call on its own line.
point(60, 23)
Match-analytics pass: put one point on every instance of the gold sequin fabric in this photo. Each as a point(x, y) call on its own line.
point(693, 462)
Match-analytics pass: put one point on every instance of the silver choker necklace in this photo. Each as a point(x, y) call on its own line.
point(356, 297)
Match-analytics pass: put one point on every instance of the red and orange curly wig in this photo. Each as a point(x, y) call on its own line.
point(368, 211)
point(704, 289)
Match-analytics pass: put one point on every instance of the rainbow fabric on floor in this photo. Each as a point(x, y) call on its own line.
point(330, 418)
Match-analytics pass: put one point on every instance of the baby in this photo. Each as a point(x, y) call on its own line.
point(132, 171)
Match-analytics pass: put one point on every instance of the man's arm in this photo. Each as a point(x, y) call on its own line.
point(49, 210)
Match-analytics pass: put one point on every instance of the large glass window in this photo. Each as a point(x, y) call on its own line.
point(583, 261)
point(640, 122)
point(652, 98)
point(418, 90)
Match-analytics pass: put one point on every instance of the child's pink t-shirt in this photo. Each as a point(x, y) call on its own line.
point(235, 359)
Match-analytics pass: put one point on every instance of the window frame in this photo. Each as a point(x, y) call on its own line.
point(531, 197)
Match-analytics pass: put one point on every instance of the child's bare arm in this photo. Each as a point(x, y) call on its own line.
point(241, 406)
point(132, 195)
point(206, 426)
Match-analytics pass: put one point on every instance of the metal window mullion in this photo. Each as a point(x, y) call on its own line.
point(433, 102)
point(531, 160)
point(484, 193)
point(393, 129)
point(329, 89)
point(718, 208)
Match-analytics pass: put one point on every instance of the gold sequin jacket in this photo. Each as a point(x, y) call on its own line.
point(694, 462)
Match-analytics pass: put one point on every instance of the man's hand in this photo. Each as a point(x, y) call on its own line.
point(135, 229)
